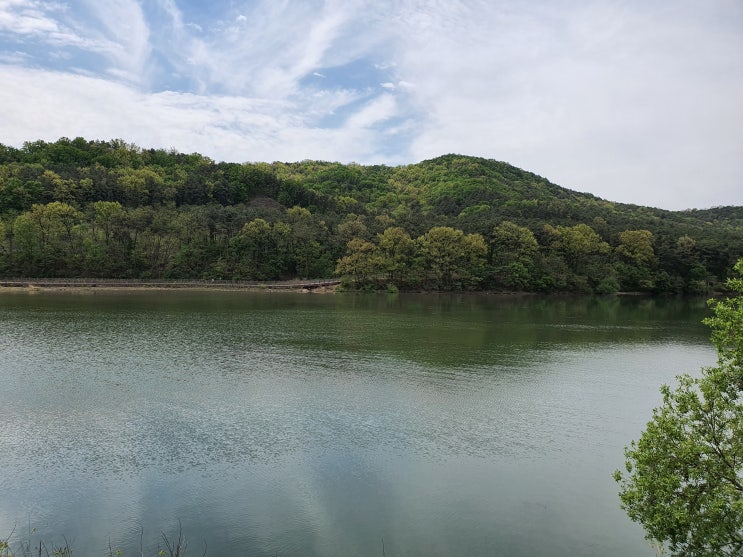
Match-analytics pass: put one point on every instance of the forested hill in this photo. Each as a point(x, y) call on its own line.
point(77, 208)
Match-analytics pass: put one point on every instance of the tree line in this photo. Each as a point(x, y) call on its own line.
point(78, 208)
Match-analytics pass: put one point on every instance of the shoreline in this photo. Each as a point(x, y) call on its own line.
point(320, 286)
point(92, 285)
point(328, 286)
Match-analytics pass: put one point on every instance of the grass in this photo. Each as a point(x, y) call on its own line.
point(173, 547)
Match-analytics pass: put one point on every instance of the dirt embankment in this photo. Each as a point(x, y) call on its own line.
point(320, 285)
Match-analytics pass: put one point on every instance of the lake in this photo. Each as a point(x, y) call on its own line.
point(320, 425)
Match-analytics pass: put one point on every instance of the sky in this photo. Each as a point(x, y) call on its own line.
point(637, 101)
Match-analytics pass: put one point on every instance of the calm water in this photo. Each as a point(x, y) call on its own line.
point(326, 425)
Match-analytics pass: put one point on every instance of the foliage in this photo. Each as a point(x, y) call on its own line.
point(514, 254)
point(76, 208)
point(684, 476)
point(451, 259)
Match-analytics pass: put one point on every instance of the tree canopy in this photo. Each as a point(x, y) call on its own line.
point(76, 208)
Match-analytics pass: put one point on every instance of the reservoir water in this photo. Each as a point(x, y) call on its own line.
point(321, 425)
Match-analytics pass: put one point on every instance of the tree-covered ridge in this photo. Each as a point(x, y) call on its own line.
point(109, 208)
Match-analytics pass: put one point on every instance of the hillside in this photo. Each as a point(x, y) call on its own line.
point(96, 208)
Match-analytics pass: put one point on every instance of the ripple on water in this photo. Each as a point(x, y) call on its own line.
point(321, 427)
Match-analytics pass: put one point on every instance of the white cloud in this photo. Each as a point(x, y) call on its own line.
point(118, 30)
point(123, 35)
point(24, 18)
point(36, 20)
point(633, 102)
point(380, 109)
point(15, 58)
point(603, 99)
point(224, 128)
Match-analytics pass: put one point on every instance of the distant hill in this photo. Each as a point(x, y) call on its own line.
point(109, 208)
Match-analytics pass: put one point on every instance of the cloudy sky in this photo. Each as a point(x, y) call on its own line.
point(637, 101)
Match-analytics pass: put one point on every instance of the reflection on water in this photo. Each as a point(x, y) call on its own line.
point(320, 425)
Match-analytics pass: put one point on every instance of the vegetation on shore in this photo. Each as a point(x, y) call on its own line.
point(78, 208)
point(33, 546)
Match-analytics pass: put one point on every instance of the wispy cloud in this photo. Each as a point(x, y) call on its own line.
point(36, 20)
point(377, 111)
point(271, 46)
point(223, 127)
point(114, 30)
point(26, 18)
point(122, 34)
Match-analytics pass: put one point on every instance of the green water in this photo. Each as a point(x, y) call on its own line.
point(298, 424)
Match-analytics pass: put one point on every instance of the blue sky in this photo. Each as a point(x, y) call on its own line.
point(635, 101)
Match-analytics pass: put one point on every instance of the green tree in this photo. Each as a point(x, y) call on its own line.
point(140, 186)
point(352, 227)
point(27, 244)
point(17, 193)
point(5, 246)
point(514, 251)
point(451, 258)
point(636, 259)
point(107, 215)
point(361, 262)
point(688, 263)
point(580, 245)
point(3, 234)
point(585, 253)
point(637, 246)
point(684, 476)
point(309, 240)
point(108, 242)
point(257, 247)
point(398, 251)
point(48, 240)
point(57, 218)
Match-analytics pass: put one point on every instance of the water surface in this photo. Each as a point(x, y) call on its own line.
point(299, 424)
